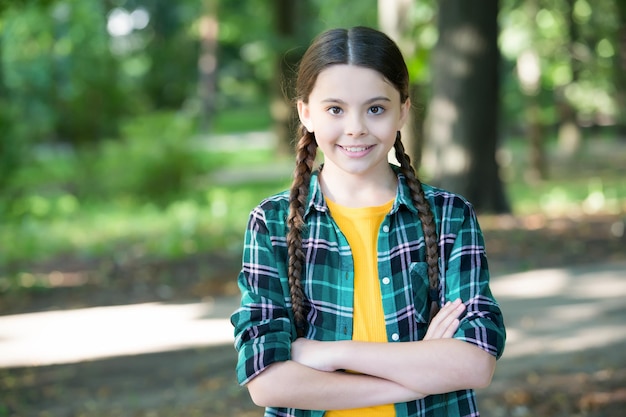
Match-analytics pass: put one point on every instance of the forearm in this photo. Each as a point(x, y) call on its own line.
point(429, 366)
point(290, 384)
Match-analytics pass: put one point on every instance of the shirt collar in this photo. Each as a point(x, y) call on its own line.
point(316, 199)
point(403, 197)
point(317, 202)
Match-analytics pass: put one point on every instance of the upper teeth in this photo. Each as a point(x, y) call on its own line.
point(356, 149)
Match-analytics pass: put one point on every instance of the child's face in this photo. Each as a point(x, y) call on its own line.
point(355, 114)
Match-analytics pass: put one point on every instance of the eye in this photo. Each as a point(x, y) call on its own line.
point(376, 110)
point(334, 110)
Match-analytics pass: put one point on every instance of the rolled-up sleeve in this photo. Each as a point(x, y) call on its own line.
point(262, 323)
point(466, 276)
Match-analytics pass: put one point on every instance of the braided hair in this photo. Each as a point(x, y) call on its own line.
point(369, 48)
point(428, 223)
point(305, 157)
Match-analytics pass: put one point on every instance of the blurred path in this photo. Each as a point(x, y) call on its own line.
point(563, 318)
point(69, 336)
point(553, 317)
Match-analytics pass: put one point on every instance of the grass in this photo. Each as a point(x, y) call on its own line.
point(124, 234)
point(570, 196)
point(249, 118)
point(200, 222)
point(592, 181)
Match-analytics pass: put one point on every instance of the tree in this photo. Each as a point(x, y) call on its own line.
point(395, 20)
point(620, 65)
point(207, 63)
point(529, 73)
point(412, 25)
point(10, 146)
point(569, 134)
point(462, 124)
point(287, 22)
point(63, 81)
point(172, 53)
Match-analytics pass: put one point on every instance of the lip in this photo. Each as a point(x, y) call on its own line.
point(356, 151)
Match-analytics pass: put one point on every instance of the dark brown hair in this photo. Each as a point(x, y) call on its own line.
point(369, 48)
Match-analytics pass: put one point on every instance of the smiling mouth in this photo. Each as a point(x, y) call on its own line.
point(356, 149)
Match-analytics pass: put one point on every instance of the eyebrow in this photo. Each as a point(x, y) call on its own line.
point(371, 100)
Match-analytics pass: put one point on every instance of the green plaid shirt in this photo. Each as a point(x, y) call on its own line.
point(264, 327)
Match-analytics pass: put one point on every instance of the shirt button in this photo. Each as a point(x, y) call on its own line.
point(395, 337)
point(386, 229)
point(386, 280)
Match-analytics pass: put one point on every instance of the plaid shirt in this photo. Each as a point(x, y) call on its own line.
point(264, 326)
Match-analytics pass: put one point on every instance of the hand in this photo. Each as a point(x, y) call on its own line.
point(313, 353)
point(446, 321)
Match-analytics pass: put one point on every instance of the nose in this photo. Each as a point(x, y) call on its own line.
point(355, 125)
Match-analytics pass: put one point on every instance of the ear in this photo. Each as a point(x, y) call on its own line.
point(405, 110)
point(304, 113)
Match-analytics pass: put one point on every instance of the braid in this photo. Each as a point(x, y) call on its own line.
point(428, 223)
point(306, 150)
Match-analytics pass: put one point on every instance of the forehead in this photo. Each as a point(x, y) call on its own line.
point(352, 82)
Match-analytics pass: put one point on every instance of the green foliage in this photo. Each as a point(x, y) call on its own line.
point(144, 191)
point(124, 231)
point(210, 214)
point(588, 184)
point(242, 119)
point(58, 71)
point(576, 57)
point(153, 161)
point(169, 49)
point(144, 195)
point(28, 76)
point(422, 37)
point(339, 13)
point(12, 151)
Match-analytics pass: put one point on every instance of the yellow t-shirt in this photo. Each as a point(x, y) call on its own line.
point(360, 227)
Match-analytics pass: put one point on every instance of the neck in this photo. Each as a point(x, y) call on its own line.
point(358, 191)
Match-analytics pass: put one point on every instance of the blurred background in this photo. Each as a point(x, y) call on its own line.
point(136, 136)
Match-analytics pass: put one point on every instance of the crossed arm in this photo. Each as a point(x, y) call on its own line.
point(382, 373)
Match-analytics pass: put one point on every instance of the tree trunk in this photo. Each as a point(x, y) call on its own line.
point(569, 135)
point(207, 64)
point(529, 74)
point(392, 19)
point(414, 129)
point(286, 22)
point(462, 124)
point(537, 166)
point(620, 69)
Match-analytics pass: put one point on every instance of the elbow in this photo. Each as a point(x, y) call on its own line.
point(259, 398)
point(474, 368)
point(260, 395)
point(264, 389)
point(484, 371)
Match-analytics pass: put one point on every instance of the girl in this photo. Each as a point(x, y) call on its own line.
point(343, 276)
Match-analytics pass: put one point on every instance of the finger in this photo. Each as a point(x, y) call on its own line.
point(447, 313)
point(445, 323)
point(451, 322)
point(437, 327)
point(444, 330)
point(438, 323)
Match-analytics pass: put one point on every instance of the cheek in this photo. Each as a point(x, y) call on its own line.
point(326, 131)
point(385, 130)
